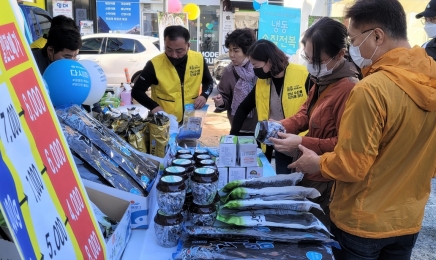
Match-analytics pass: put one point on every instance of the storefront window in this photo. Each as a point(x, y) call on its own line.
point(209, 31)
point(149, 24)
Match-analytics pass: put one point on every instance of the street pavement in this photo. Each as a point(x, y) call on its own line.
point(217, 124)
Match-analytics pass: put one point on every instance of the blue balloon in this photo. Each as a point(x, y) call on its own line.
point(68, 82)
point(257, 6)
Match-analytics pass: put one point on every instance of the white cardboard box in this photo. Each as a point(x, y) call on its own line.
point(247, 151)
point(227, 150)
point(118, 210)
point(236, 173)
point(255, 171)
point(223, 175)
point(139, 206)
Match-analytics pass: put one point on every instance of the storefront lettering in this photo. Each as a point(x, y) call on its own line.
point(210, 56)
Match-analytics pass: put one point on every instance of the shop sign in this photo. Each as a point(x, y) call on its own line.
point(280, 25)
point(63, 8)
point(41, 194)
point(210, 56)
point(118, 16)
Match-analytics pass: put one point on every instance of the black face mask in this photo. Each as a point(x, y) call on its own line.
point(261, 74)
point(178, 61)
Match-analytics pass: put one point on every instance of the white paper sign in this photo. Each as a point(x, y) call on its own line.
point(63, 8)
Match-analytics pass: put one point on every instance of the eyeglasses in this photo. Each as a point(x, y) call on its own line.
point(304, 56)
point(428, 20)
point(352, 37)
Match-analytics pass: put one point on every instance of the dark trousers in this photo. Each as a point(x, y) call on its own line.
point(359, 248)
point(282, 162)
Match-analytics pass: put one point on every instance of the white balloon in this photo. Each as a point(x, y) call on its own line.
point(98, 81)
point(261, 1)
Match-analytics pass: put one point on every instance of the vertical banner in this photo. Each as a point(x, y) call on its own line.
point(166, 19)
point(280, 25)
point(118, 16)
point(63, 8)
point(41, 194)
point(227, 26)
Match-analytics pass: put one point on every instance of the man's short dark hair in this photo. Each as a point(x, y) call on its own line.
point(243, 38)
point(60, 38)
point(176, 31)
point(387, 15)
point(63, 21)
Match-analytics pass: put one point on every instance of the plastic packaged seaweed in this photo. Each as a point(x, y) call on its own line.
point(258, 183)
point(273, 218)
point(205, 249)
point(277, 234)
point(286, 192)
point(108, 169)
point(118, 150)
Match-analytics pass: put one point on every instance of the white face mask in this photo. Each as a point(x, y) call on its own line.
point(323, 71)
point(360, 61)
point(430, 29)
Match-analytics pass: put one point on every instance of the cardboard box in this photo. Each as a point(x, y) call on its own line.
point(139, 205)
point(255, 171)
point(247, 151)
point(223, 175)
point(236, 173)
point(227, 150)
point(118, 210)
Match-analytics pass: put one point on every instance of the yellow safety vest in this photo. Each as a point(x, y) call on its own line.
point(170, 93)
point(293, 93)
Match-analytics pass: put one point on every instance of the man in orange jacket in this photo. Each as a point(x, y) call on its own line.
point(386, 152)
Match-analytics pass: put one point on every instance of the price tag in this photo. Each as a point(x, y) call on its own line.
point(41, 193)
point(47, 226)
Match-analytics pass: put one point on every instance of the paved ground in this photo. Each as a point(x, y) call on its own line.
point(217, 124)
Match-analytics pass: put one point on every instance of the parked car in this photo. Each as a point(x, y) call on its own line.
point(219, 65)
point(114, 52)
point(38, 20)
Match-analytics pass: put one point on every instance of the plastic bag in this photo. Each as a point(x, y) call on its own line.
point(277, 234)
point(270, 203)
point(110, 144)
point(193, 120)
point(205, 249)
point(258, 183)
point(107, 168)
point(273, 218)
point(286, 192)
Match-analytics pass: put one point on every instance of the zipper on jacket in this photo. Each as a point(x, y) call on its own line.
point(183, 99)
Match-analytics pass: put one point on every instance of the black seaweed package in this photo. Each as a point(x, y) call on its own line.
point(88, 172)
point(205, 249)
point(108, 169)
point(276, 234)
point(115, 148)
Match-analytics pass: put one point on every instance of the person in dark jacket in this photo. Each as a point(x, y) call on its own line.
point(62, 43)
point(428, 17)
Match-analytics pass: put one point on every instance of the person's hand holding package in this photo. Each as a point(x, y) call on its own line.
point(286, 143)
point(200, 101)
point(308, 162)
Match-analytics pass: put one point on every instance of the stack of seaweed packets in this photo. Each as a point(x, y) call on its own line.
point(262, 218)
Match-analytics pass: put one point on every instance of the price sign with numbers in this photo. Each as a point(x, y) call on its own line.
point(41, 194)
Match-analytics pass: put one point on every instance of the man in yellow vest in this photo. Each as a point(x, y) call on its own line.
point(174, 76)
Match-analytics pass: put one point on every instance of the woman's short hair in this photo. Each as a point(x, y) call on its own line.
point(243, 38)
point(264, 50)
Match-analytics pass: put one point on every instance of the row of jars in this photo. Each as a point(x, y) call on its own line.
point(185, 192)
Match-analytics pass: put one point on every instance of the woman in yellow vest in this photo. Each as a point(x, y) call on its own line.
point(279, 92)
